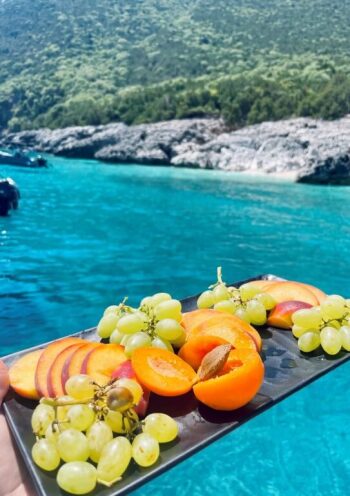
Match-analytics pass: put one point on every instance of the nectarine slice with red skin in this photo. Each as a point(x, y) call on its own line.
point(281, 315)
point(126, 370)
point(163, 372)
point(55, 384)
point(237, 383)
point(74, 363)
point(103, 360)
point(229, 328)
point(195, 349)
point(46, 360)
point(288, 291)
point(318, 293)
point(22, 375)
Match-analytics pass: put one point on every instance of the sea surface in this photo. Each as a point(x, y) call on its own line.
point(87, 234)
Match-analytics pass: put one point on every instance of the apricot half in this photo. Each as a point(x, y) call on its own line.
point(237, 383)
point(195, 349)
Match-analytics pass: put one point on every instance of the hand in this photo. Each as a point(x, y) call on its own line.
point(14, 478)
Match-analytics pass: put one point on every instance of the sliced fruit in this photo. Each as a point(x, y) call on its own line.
point(102, 361)
point(237, 383)
point(55, 385)
point(230, 328)
point(288, 291)
point(22, 375)
point(46, 360)
point(195, 349)
point(192, 319)
point(263, 284)
point(320, 295)
point(162, 372)
point(281, 315)
point(126, 370)
point(73, 364)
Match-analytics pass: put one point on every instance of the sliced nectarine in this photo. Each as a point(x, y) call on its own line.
point(195, 349)
point(288, 291)
point(281, 315)
point(22, 375)
point(55, 385)
point(228, 327)
point(318, 293)
point(46, 360)
point(102, 361)
point(263, 284)
point(236, 384)
point(73, 364)
point(162, 372)
point(192, 319)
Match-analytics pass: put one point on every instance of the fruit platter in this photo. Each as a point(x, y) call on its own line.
point(105, 410)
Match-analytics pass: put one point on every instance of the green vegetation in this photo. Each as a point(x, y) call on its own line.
point(70, 62)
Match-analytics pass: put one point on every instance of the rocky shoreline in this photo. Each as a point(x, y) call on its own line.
point(303, 150)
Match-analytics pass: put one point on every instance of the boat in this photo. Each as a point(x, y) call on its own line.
point(18, 157)
point(9, 195)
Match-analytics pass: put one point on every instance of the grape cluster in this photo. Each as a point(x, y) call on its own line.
point(327, 325)
point(81, 427)
point(247, 302)
point(156, 322)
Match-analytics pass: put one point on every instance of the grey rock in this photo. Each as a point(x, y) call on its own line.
point(303, 149)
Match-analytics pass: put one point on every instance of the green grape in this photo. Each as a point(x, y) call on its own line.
point(344, 332)
point(147, 302)
point(81, 417)
point(111, 309)
point(347, 303)
point(162, 427)
point(125, 339)
point(144, 317)
point(299, 330)
point(157, 342)
point(331, 340)
point(45, 455)
point(145, 450)
point(131, 323)
point(307, 317)
point(137, 340)
point(256, 312)
point(99, 434)
point(248, 291)
point(119, 423)
point(221, 293)
point(309, 341)
point(170, 309)
point(206, 300)
point(114, 460)
point(107, 325)
point(77, 477)
point(333, 307)
point(73, 446)
point(159, 298)
point(226, 306)
point(180, 340)
point(42, 417)
point(80, 387)
point(168, 329)
point(117, 336)
point(63, 410)
point(133, 386)
point(242, 314)
point(267, 300)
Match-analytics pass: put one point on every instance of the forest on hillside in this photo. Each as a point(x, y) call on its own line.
point(77, 62)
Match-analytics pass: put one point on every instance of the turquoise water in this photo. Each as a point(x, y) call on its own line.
point(87, 233)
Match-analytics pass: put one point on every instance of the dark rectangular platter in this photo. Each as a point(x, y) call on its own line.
point(286, 371)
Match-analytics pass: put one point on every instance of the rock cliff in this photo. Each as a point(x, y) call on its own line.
point(303, 149)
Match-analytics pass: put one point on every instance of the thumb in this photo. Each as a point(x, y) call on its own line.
point(4, 380)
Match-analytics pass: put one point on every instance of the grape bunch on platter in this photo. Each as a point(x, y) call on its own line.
point(96, 433)
point(155, 323)
point(326, 325)
point(248, 302)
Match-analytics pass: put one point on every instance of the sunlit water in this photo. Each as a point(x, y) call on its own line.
point(87, 233)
